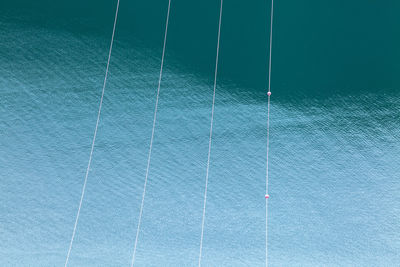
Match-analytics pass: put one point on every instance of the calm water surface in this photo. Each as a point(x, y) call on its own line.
point(335, 157)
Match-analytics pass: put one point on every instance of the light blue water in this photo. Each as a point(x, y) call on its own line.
point(334, 181)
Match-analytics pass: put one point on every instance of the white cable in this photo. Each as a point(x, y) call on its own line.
point(152, 138)
point(94, 138)
point(210, 139)
point(269, 96)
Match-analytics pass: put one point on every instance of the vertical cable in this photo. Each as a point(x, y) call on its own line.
point(94, 139)
point(210, 139)
point(267, 167)
point(152, 138)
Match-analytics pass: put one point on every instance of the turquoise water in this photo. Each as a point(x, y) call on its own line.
point(335, 134)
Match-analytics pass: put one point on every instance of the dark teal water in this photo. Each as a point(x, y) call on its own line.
point(335, 134)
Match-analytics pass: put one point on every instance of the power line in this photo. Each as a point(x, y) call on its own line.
point(152, 138)
point(94, 139)
point(210, 139)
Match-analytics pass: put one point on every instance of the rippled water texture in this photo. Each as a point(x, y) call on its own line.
point(334, 170)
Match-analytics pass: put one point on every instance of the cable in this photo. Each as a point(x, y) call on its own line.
point(152, 138)
point(210, 139)
point(94, 139)
point(267, 167)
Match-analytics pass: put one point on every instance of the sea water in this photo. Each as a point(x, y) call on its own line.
point(334, 156)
